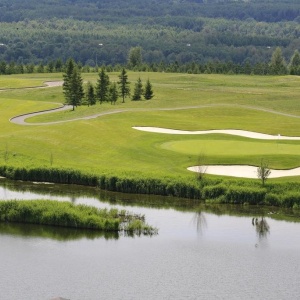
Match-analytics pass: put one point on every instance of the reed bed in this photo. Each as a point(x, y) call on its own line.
point(66, 214)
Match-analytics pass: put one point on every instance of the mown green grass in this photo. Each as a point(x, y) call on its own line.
point(109, 145)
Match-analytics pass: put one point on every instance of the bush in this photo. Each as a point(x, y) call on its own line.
point(215, 191)
point(291, 199)
point(272, 199)
point(241, 195)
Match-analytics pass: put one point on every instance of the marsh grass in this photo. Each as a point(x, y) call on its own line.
point(65, 214)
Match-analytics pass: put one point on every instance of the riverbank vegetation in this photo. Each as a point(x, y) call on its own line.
point(65, 214)
point(107, 152)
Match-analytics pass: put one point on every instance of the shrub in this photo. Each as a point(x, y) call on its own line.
point(272, 199)
point(215, 191)
point(251, 195)
point(291, 199)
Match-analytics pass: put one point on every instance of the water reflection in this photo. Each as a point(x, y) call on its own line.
point(262, 227)
point(199, 220)
point(55, 233)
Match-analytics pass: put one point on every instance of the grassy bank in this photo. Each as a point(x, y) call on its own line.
point(65, 214)
point(108, 153)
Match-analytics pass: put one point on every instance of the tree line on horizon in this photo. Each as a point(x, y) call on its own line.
point(276, 66)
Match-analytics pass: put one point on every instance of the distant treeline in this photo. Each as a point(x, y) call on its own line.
point(94, 32)
point(113, 11)
point(276, 66)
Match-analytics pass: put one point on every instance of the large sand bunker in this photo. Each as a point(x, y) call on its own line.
point(242, 171)
point(243, 133)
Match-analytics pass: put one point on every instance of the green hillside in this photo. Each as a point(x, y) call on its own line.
point(102, 32)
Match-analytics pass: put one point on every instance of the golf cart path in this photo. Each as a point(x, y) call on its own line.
point(21, 119)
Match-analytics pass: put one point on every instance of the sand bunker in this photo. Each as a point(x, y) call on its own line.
point(242, 171)
point(234, 170)
point(243, 133)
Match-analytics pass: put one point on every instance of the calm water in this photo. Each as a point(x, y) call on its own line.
point(199, 253)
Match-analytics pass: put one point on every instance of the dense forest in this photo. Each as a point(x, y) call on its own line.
point(96, 32)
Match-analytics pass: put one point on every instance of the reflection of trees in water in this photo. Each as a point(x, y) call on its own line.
point(261, 226)
point(199, 220)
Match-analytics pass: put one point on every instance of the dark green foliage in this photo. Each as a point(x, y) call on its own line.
point(102, 88)
point(235, 31)
point(73, 84)
point(124, 84)
point(135, 57)
point(52, 232)
point(240, 195)
point(291, 199)
point(148, 94)
point(278, 65)
point(213, 191)
point(90, 94)
point(272, 199)
point(66, 214)
point(113, 93)
point(295, 64)
point(51, 175)
point(138, 90)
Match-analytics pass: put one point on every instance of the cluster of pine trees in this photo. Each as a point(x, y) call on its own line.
point(104, 91)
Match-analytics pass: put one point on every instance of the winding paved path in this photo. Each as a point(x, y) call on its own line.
point(21, 118)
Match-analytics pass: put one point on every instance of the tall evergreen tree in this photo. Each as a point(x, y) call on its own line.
point(90, 94)
point(138, 90)
point(124, 85)
point(73, 85)
point(69, 68)
point(113, 93)
point(102, 86)
point(148, 94)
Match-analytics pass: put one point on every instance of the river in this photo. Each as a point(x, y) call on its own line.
point(200, 252)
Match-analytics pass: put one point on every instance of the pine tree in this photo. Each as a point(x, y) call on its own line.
point(73, 84)
point(124, 85)
point(76, 86)
point(148, 94)
point(70, 65)
point(90, 95)
point(113, 93)
point(138, 90)
point(102, 86)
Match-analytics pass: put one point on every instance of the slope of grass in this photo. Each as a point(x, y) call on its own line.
point(109, 145)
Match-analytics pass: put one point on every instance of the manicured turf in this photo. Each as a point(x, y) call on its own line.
point(108, 144)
